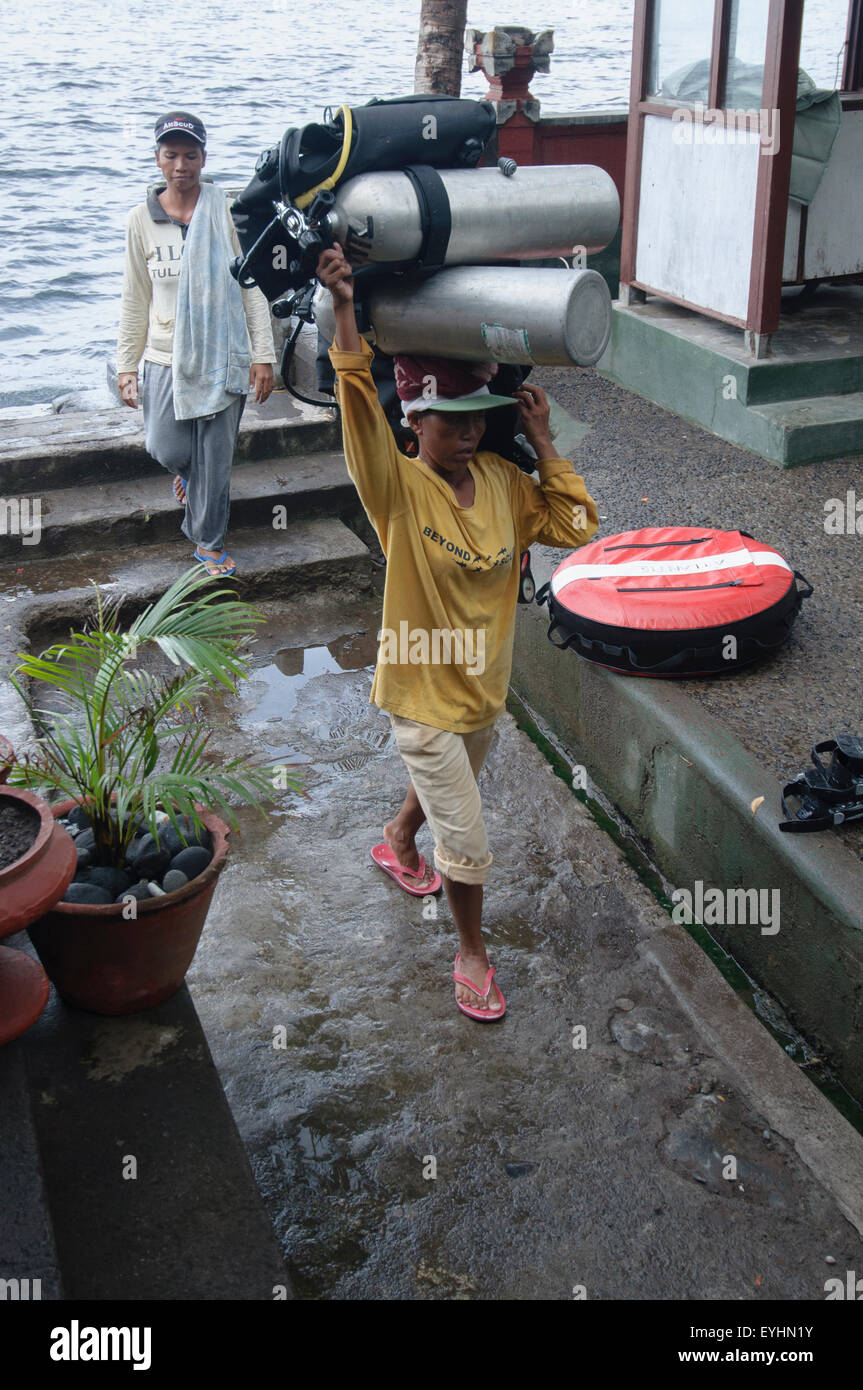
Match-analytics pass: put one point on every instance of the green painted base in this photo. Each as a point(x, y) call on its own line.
point(803, 405)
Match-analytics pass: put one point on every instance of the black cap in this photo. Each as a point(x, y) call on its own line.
point(180, 123)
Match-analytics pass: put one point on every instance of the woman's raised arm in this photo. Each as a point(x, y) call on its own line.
point(370, 449)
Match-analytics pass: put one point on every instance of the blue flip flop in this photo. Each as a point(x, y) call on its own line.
point(211, 560)
point(185, 489)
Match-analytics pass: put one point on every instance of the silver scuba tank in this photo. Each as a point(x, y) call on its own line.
point(479, 313)
point(537, 211)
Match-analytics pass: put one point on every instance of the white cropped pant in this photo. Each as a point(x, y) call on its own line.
point(444, 768)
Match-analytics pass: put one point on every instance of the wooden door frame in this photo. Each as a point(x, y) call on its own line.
point(779, 94)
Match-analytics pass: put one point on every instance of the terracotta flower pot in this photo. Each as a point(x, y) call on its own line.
point(24, 991)
point(99, 960)
point(33, 883)
point(28, 886)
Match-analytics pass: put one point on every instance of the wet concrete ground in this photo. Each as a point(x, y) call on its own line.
point(406, 1152)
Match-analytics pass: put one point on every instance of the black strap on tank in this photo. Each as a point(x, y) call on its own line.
point(288, 148)
point(435, 215)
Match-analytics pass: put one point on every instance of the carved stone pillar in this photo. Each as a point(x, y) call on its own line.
point(509, 56)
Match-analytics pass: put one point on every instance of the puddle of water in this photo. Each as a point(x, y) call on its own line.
point(23, 581)
point(331, 1172)
point(11, 594)
point(292, 667)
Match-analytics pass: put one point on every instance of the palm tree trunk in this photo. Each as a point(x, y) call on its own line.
point(440, 48)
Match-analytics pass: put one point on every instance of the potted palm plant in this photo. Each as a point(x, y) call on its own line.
point(128, 750)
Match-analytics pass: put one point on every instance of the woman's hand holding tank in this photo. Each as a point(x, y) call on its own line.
point(535, 411)
point(335, 274)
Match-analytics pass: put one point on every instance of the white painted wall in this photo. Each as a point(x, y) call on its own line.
point(696, 215)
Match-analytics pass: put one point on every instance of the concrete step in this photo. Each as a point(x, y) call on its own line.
point(40, 600)
point(815, 427)
point(320, 552)
point(81, 446)
point(142, 510)
point(773, 380)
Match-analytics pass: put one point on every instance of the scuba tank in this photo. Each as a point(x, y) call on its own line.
point(517, 314)
point(537, 211)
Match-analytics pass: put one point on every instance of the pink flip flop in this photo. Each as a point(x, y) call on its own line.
point(386, 860)
point(481, 1015)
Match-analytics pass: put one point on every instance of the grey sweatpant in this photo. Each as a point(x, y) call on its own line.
point(201, 451)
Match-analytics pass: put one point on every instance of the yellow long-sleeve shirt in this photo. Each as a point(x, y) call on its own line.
point(445, 648)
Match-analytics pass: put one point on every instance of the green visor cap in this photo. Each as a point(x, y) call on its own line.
point(488, 402)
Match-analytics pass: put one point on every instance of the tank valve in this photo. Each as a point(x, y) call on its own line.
point(507, 166)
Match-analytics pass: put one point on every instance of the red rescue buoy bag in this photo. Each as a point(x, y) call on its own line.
point(673, 601)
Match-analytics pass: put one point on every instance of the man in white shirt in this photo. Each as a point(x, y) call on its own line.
point(199, 448)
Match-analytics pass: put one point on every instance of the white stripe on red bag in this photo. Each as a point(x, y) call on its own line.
point(736, 559)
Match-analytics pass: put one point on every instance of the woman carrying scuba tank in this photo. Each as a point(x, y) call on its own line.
point(452, 524)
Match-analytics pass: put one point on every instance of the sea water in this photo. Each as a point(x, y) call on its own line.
point(83, 83)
